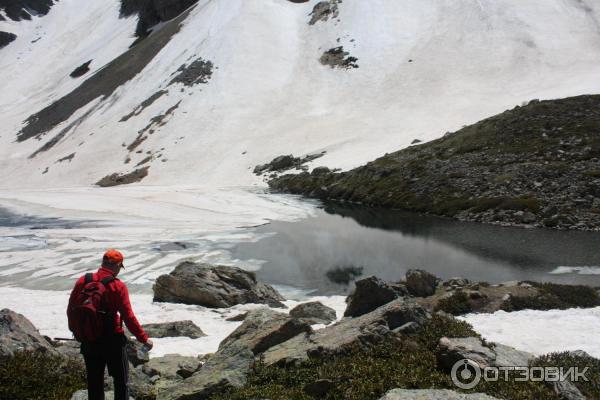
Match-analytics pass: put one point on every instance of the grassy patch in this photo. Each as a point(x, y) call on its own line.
point(555, 296)
point(595, 173)
point(456, 304)
point(367, 374)
point(37, 376)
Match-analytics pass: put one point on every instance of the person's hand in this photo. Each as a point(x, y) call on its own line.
point(149, 344)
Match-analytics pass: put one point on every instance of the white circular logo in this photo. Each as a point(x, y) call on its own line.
point(465, 374)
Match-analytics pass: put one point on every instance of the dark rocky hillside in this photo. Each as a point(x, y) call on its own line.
point(152, 12)
point(18, 10)
point(536, 165)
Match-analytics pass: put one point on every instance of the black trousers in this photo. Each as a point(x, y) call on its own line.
point(109, 353)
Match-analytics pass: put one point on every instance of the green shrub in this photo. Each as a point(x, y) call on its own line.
point(591, 388)
point(555, 296)
point(38, 376)
point(456, 304)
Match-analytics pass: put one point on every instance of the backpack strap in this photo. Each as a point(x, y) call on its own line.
point(89, 277)
point(107, 280)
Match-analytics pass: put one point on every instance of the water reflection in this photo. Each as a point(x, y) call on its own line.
point(386, 243)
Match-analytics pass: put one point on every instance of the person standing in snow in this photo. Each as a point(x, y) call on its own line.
point(98, 306)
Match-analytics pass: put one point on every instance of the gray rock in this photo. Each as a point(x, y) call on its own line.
point(265, 328)
point(371, 293)
point(17, 333)
point(433, 394)
point(213, 286)
point(237, 317)
point(174, 329)
point(567, 390)
point(314, 313)
point(320, 171)
point(136, 353)
point(363, 331)
point(421, 283)
point(453, 350)
point(172, 367)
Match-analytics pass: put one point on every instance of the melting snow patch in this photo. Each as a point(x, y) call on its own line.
point(542, 332)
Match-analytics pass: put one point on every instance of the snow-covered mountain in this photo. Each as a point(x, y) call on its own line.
point(230, 84)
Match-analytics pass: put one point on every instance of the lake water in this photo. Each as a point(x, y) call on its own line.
point(344, 242)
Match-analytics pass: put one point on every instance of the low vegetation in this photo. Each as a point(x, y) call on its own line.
point(555, 296)
point(407, 361)
point(38, 376)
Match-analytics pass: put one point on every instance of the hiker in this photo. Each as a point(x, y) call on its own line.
point(98, 306)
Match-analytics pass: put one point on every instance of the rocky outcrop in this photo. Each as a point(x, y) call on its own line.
point(371, 293)
point(152, 12)
point(17, 333)
point(213, 286)
point(6, 38)
point(123, 179)
point(18, 10)
point(229, 366)
point(314, 313)
point(421, 283)
point(174, 329)
point(172, 367)
point(337, 57)
point(545, 172)
point(451, 351)
point(81, 70)
point(136, 353)
point(264, 328)
point(324, 10)
point(286, 162)
point(359, 331)
point(433, 394)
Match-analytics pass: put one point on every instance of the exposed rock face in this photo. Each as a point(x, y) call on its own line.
point(433, 394)
point(371, 293)
point(81, 70)
point(213, 286)
point(17, 333)
point(198, 71)
point(18, 10)
point(123, 179)
point(286, 162)
point(545, 172)
point(314, 313)
point(338, 58)
point(421, 283)
point(229, 366)
point(152, 12)
point(174, 329)
point(6, 38)
point(453, 350)
point(172, 367)
point(324, 10)
point(363, 330)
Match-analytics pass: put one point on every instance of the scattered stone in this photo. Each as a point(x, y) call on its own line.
point(371, 293)
point(314, 313)
point(338, 58)
point(81, 70)
point(174, 329)
point(17, 333)
point(433, 394)
point(213, 286)
point(172, 367)
point(199, 71)
point(123, 179)
point(83, 395)
point(421, 283)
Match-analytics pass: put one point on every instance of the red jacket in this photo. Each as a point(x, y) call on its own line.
point(117, 299)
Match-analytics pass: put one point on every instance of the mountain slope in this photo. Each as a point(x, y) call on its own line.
point(423, 69)
point(534, 165)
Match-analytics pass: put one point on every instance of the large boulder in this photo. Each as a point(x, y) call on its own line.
point(174, 329)
point(451, 351)
point(213, 286)
point(264, 328)
point(172, 367)
point(314, 313)
point(229, 366)
point(136, 353)
point(433, 394)
point(421, 283)
point(371, 293)
point(359, 331)
point(17, 333)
